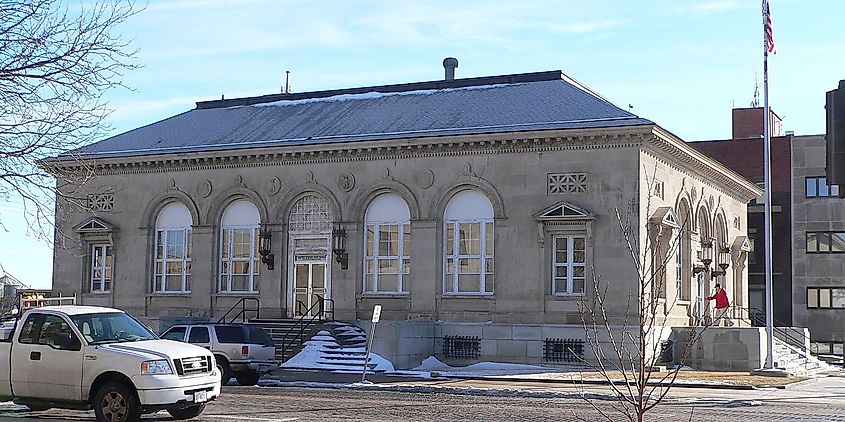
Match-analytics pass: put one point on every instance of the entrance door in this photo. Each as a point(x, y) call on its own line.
point(309, 287)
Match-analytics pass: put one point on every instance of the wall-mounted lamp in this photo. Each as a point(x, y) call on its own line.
point(706, 253)
point(723, 260)
point(339, 247)
point(265, 235)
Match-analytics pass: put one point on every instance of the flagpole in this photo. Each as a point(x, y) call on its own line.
point(768, 187)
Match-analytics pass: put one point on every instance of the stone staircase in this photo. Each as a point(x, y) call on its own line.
point(795, 360)
point(279, 328)
point(339, 346)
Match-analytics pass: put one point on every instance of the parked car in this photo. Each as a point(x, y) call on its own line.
point(244, 351)
point(88, 357)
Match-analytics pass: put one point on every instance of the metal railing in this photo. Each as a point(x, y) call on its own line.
point(308, 316)
point(794, 339)
point(242, 313)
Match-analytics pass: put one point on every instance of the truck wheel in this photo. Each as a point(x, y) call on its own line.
point(223, 367)
point(187, 413)
point(250, 378)
point(114, 402)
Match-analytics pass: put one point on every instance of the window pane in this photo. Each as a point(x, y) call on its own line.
point(95, 285)
point(837, 242)
point(406, 239)
point(240, 283)
point(450, 265)
point(469, 265)
point(224, 281)
point(811, 187)
point(469, 242)
point(240, 267)
point(489, 239)
point(812, 242)
point(578, 257)
point(174, 267)
point(469, 283)
point(578, 285)
point(578, 243)
point(388, 283)
point(175, 243)
point(834, 190)
point(838, 299)
point(489, 283)
point(824, 242)
point(159, 244)
point(488, 265)
point(560, 285)
point(450, 239)
point(158, 283)
point(578, 271)
point(369, 283)
point(388, 240)
point(406, 266)
point(561, 244)
point(370, 238)
point(824, 298)
point(224, 244)
point(388, 266)
point(823, 187)
point(174, 283)
point(561, 271)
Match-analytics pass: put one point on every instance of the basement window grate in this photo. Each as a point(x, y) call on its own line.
point(463, 347)
point(563, 350)
point(667, 351)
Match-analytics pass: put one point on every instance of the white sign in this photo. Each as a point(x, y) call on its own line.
point(376, 313)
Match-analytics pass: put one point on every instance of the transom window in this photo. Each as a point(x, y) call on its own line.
point(469, 241)
point(239, 266)
point(818, 187)
point(825, 297)
point(825, 242)
point(172, 273)
point(570, 258)
point(102, 259)
point(387, 265)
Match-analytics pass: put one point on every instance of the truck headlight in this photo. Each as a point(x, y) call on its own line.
point(156, 367)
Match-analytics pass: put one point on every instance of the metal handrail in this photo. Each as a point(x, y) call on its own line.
point(243, 310)
point(792, 339)
point(301, 322)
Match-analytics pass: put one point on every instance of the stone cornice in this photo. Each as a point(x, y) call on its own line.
point(520, 142)
point(705, 166)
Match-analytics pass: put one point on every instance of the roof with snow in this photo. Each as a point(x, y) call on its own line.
point(485, 105)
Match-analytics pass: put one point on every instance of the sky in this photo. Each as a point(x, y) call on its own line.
point(680, 63)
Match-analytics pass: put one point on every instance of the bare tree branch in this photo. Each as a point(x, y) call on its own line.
point(56, 63)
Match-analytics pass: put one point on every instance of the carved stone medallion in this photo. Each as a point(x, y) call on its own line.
point(275, 186)
point(346, 181)
point(424, 178)
point(204, 189)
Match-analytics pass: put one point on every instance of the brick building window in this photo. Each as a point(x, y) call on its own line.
point(825, 242)
point(825, 297)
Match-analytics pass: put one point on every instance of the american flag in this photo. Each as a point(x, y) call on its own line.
point(767, 27)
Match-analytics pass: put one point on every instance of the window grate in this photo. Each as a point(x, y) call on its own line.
point(563, 350)
point(566, 182)
point(463, 347)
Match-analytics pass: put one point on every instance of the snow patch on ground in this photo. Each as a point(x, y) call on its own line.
point(314, 355)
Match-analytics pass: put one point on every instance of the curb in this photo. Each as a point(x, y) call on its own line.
point(604, 382)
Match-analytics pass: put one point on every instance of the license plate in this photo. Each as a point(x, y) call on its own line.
point(201, 396)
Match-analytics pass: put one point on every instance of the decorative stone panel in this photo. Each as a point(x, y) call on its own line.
point(103, 202)
point(567, 183)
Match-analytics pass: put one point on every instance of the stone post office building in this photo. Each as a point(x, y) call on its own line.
point(477, 207)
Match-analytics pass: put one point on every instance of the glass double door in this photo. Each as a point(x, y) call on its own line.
point(309, 278)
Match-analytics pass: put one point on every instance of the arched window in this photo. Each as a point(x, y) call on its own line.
point(683, 264)
point(468, 249)
point(239, 267)
point(387, 263)
point(172, 273)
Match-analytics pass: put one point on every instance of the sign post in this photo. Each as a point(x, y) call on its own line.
point(370, 335)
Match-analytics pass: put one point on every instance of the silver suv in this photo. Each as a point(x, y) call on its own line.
point(243, 351)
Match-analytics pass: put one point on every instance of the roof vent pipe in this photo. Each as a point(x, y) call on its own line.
point(450, 63)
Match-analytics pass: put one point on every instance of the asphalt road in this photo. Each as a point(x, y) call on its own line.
point(823, 401)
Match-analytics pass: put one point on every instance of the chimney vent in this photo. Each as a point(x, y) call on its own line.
point(450, 63)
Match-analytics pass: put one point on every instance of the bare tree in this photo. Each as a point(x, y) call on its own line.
point(627, 345)
point(56, 63)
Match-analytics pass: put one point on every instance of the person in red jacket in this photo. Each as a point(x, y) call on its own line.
point(722, 306)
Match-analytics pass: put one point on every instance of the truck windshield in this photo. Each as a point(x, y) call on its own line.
point(113, 327)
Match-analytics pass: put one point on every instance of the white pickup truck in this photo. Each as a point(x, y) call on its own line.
point(85, 357)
